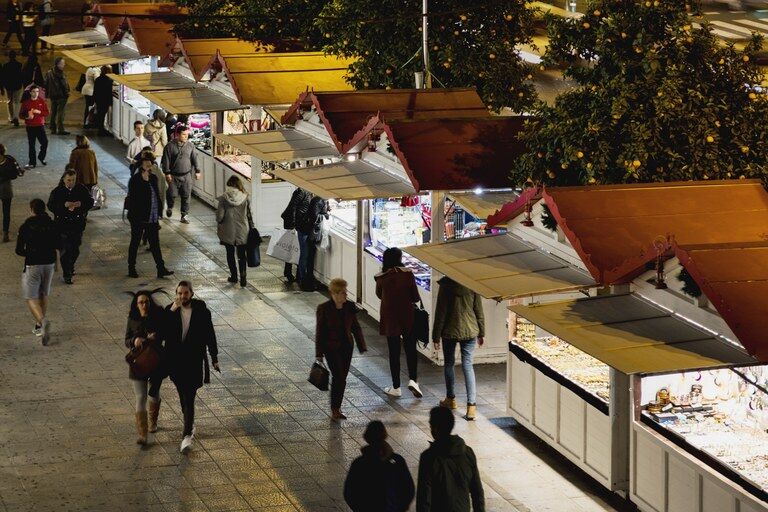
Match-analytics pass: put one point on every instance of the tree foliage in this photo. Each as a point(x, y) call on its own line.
point(470, 44)
point(658, 98)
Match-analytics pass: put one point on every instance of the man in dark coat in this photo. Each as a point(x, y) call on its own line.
point(189, 332)
point(57, 90)
point(299, 203)
point(12, 85)
point(448, 474)
point(309, 227)
point(69, 203)
point(13, 12)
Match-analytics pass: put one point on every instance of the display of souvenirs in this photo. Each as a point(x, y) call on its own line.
point(234, 122)
point(131, 96)
point(200, 131)
point(579, 367)
point(344, 218)
point(720, 412)
point(399, 223)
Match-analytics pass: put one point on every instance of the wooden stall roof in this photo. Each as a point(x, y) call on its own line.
point(345, 113)
point(515, 207)
point(501, 266)
point(102, 55)
point(347, 180)
point(483, 204)
point(457, 154)
point(152, 37)
point(199, 53)
point(614, 228)
point(114, 24)
point(634, 335)
point(278, 78)
point(156, 81)
point(284, 145)
point(77, 39)
point(734, 277)
point(194, 100)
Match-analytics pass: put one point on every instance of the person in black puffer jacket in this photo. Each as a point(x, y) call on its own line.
point(297, 207)
point(309, 227)
point(70, 203)
point(378, 480)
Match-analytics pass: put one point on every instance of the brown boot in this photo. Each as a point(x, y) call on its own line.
point(448, 403)
point(471, 412)
point(141, 427)
point(154, 412)
point(337, 415)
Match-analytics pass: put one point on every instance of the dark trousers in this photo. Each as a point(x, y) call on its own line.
point(46, 32)
point(101, 115)
point(181, 186)
point(338, 362)
point(88, 104)
point(288, 270)
point(153, 237)
point(409, 344)
point(6, 214)
point(309, 277)
point(30, 40)
point(187, 395)
point(14, 28)
point(70, 250)
point(242, 262)
point(36, 133)
point(58, 107)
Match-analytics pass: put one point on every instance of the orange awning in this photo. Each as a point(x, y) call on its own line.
point(198, 53)
point(114, 24)
point(152, 37)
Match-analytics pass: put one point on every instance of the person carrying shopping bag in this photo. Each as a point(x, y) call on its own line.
point(459, 320)
point(233, 216)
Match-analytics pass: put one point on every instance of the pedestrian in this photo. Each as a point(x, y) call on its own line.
point(336, 333)
point(145, 209)
point(146, 322)
point(171, 120)
point(31, 72)
point(85, 11)
point(179, 163)
point(89, 81)
point(46, 22)
point(137, 144)
point(396, 287)
point(448, 474)
point(102, 97)
point(83, 160)
point(378, 480)
point(459, 320)
point(69, 202)
point(12, 84)
point(156, 133)
point(38, 241)
point(298, 204)
point(28, 22)
point(310, 230)
point(57, 90)
point(188, 333)
point(235, 220)
point(9, 171)
point(13, 16)
point(34, 111)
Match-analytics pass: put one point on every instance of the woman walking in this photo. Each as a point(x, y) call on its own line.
point(336, 333)
point(102, 96)
point(459, 320)
point(155, 132)
point(396, 287)
point(146, 321)
point(233, 216)
point(82, 160)
point(9, 171)
point(89, 80)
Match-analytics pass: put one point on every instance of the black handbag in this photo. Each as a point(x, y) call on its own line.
point(421, 324)
point(319, 376)
point(253, 253)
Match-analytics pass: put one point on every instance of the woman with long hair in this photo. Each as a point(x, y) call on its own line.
point(146, 321)
point(234, 219)
point(83, 161)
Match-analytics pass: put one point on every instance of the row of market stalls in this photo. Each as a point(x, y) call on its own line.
point(655, 394)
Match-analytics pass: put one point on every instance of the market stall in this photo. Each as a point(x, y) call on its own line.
point(90, 37)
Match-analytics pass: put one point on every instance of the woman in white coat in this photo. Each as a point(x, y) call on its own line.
point(91, 74)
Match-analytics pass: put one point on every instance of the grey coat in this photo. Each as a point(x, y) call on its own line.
point(233, 216)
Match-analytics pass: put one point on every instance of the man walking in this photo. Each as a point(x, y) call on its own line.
point(34, 111)
point(448, 474)
point(69, 203)
point(12, 85)
point(137, 145)
point(13, 15)
point(37, 242)
point(179, 162)
point(189, 333)
point(57, 89)
point(46, 21)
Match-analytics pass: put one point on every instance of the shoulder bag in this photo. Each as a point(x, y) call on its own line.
point(143, 361)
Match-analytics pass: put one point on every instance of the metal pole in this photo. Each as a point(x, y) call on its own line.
point(425, 43)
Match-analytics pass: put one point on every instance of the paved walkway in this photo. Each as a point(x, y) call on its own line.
point(265, 441)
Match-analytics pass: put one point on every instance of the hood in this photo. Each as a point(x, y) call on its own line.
point(451, 285)
point(156, 123)
point(454, 446)
point(234, 196)
point(382, 451)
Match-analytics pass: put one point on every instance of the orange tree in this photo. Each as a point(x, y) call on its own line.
point(470, 44)
point(657, 98)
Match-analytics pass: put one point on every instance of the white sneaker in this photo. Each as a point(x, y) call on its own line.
point(415, 389)
point(393, 391)
point(37, 330)
point(46, 331)
point(186, 444)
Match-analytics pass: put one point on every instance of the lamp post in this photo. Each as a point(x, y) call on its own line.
point(425, 43)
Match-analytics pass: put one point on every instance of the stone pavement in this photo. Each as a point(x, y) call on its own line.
point(264, 440)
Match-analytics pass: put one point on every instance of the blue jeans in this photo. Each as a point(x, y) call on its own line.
point(301, 271)
point(449, 354)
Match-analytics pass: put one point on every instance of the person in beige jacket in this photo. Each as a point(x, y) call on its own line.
point(156, 134)
point(83, 161)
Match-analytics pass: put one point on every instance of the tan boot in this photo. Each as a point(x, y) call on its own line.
point(141, 427)
point(471, 412)
point(449, 403)
point(154, 412)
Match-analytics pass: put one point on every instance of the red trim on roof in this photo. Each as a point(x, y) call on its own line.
point(514, 208)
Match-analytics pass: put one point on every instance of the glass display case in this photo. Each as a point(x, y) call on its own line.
point(131, 96)
point(588, 373)
point(200, 130)
point(234, 122)
point(721, 416)
point(343, 218)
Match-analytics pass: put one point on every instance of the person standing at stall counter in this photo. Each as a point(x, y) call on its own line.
point(179, 163)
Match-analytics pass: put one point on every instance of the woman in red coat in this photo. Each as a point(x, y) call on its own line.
point(396, 287)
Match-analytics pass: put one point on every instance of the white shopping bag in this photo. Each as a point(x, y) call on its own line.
point(284, 245)
point(325, 236)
